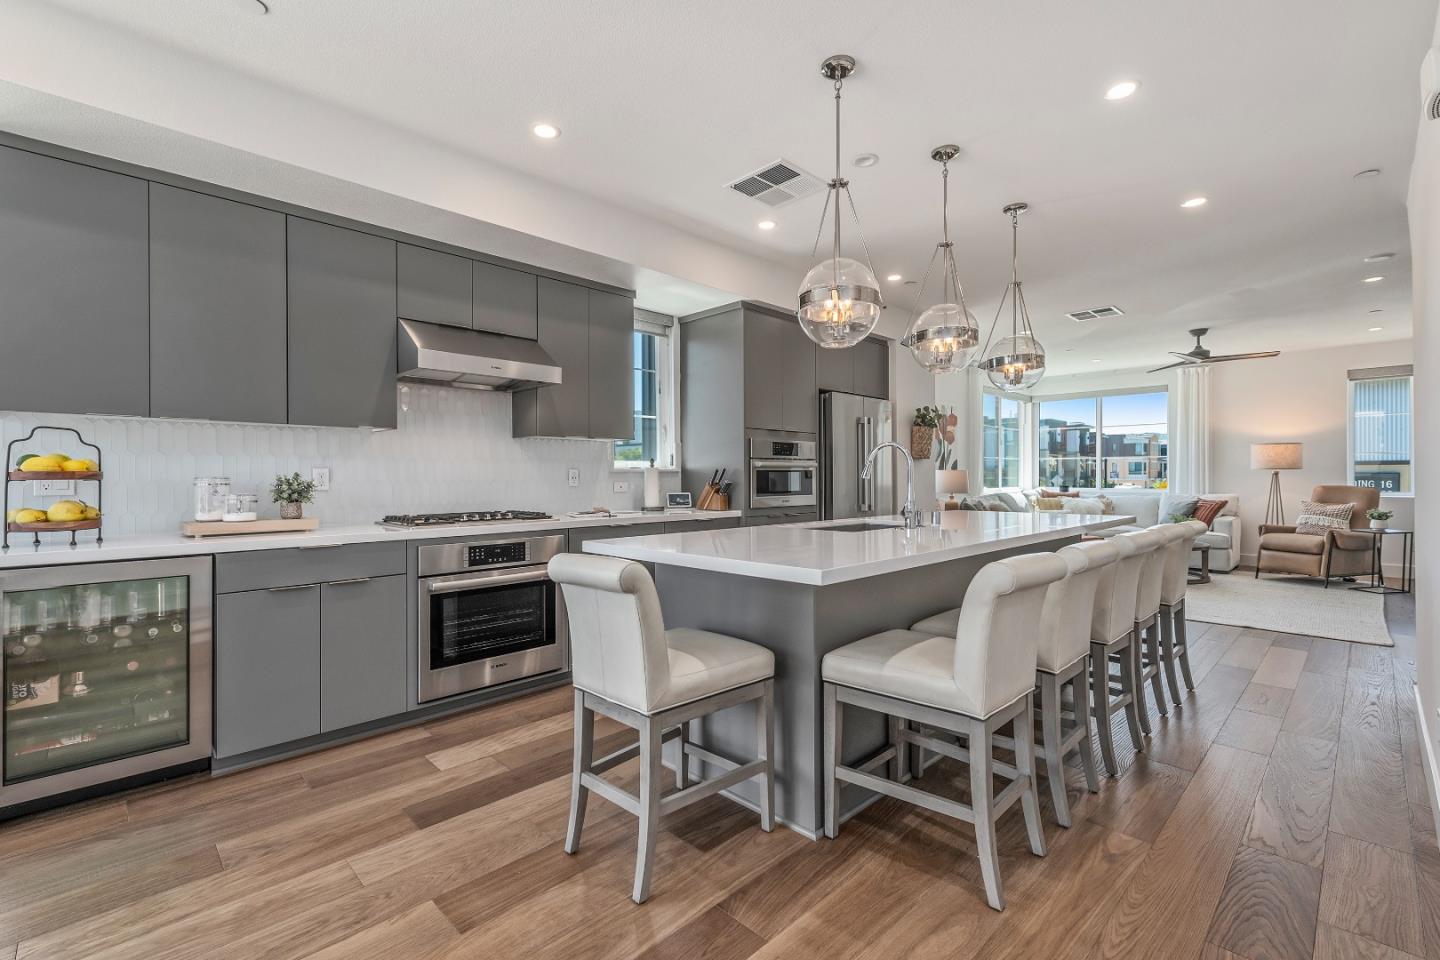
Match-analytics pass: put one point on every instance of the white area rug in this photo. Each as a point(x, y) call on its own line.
point(1290, 605)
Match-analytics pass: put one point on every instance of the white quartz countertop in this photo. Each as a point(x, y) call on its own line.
point(809, 553)
point(55, 550)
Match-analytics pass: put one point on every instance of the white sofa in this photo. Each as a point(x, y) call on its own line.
point(1150, 507)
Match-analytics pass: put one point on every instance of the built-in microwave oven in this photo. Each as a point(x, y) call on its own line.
point(783, 471)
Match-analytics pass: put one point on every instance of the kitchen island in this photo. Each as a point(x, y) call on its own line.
point(803, 590)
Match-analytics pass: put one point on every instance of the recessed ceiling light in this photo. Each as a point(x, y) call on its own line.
point(1376, 329)
point(766, 224)
point(1379, 257)
point(1194, 202)
point(1373, 279)
point(866, 159)
point(894, 278)
point(1094, 359)
point(1122, 90)
point(1366, 174)
point(545, 131)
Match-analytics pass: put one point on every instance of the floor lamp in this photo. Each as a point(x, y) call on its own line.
point(1276, 457)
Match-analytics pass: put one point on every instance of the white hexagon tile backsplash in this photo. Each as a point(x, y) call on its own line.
point(451, 451)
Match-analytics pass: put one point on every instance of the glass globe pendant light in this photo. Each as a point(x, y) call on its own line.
point(1016, 362)
point(839, 299)
point(944, 336)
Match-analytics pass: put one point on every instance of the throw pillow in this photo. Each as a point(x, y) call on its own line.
point(1182, 508)
point(1052, 494)
point(1049, 503)
point(1317, 519)
point(1106, 502)
point(1207, 510)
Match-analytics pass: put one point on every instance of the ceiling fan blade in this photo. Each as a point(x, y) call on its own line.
point(1171, 366)
point(1244, 356)
point(1186, 357)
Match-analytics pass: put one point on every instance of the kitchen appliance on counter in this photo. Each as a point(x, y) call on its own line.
point(407, 521)
point(106, 671)
point(850, 427)
point(489, 614)
point(783, 470)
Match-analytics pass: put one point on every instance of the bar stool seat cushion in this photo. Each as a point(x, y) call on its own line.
point(940, 625)
point(905, 664)
point(703, 664)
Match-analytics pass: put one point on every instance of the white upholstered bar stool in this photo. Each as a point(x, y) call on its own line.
point(969, 684)
point(1174, 645)
point(1153, 543)
point(1112, 631)
point(627, 666)
point(1061, 660)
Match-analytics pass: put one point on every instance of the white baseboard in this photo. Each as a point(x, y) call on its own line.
point(1427, 757)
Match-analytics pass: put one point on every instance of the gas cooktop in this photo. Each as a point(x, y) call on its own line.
point(405, 520)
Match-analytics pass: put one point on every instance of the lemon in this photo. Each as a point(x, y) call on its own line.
point(31, 516)
point(46, 464)
point(60, 457)
point(77, 466)
point(20, 460)
point(92, 513)
point(66, 510)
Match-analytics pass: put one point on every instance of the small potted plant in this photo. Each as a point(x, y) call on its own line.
point(922, 431)
point(292, 493)
point(1379, 519)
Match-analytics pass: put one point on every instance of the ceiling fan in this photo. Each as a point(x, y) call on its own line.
point(1199, 356)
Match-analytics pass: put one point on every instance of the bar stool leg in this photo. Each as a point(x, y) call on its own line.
point(682, 768)
point(1184, 645)
point(650, 775)
point(1167, 652)
point(584, 754)
point(1079, 695)
point(1135, 690)
point(765, 708)
point(1136, 686)
point(1153, 650)
point(1050, 737)
point(897, 762)
point(982, 801)
point(1100, 695)
point(833, 718)
point(1025, 765)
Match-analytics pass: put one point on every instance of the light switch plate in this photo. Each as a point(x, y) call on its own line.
point(320, 476)
point(574, 476)
point(54, 488)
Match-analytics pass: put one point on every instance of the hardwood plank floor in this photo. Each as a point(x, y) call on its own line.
point(1276, 812)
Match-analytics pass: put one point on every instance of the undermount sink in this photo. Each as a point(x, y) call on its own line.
point(859, 527)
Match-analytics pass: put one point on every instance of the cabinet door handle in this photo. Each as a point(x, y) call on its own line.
point(336, 583)
point(297, 586)
point(320, 546)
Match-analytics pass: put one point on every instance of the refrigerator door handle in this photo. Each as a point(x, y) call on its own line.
point(860, 485)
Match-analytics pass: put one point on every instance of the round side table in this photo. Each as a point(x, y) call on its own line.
point(1377, 573)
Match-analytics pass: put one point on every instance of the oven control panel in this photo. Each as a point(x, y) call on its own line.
point(495, 554)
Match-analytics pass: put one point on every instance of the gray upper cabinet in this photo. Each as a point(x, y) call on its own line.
point(342, 326)
point(872, 368)
point(432, 286)
point(764, 371)
point(612, 369)
point(362, 651)
point(73, 288)
point(800, 401)
point(561, 410)
point(835, 369)
point(217, 278)
point(504, 301)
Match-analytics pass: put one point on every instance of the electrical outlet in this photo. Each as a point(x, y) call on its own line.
point(54, 488)
point(574, 477)
point(622, 486)
point(320, 476)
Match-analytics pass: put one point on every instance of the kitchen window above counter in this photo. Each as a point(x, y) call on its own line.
point(654, 356)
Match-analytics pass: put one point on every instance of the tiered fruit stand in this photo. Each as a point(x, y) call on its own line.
point(66, 526)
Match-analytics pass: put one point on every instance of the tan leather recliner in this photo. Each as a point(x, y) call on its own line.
point(1339, 553)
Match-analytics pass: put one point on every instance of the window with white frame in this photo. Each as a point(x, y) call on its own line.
point(1381, 435)
point(1104, 440)
point(652, 358)
point(1000, 432)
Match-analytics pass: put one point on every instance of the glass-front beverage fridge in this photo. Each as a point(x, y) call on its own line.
point(107, 675)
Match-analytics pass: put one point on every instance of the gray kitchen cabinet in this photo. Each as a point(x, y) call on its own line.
point(74, 302)
point(872, 368)
point(612, 368)
point(687, 526)
point(267, 668)
point(764, 371)
point(362, 651)
point(800, 399)
point(561, 410)
point(835, 369)
point(342, 361)
point(504, 301)
point(576, 536)
point(770, 519)
point(432, 286)
point(217, 308)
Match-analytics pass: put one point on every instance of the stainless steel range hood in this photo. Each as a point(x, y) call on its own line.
point(455, 357)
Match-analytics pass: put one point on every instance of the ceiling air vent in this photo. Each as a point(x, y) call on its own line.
point(778, 183)
point(1096, 313)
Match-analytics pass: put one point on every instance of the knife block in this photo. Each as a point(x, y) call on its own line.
point(712, 499)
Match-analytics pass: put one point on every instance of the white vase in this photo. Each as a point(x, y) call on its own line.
point(1379, 524)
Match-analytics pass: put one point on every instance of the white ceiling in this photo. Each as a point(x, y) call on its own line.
point(1266, 108)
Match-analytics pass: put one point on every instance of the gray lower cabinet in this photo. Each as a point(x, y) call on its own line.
point(563, 409)
point(342, 361)
point(267, 668)
point(687, 526)
point(74, 307)
point(612, 367)
point(872, 368)
point(504, 301)
point(765, 520)
point(432, 286)
point(362, 651)
point(217, 282)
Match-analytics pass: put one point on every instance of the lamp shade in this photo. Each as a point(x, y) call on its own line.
point(952, 481)
point(1277, 456)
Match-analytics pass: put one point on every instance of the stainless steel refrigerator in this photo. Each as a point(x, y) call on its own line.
point(850, 427)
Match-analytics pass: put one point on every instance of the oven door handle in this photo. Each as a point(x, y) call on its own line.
point(444, 585)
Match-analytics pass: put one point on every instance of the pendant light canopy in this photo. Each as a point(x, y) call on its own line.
point(839, 299)
point(1016, 362)
point(944, 336)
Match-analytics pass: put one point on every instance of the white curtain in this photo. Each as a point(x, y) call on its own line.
point(1190, 436)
